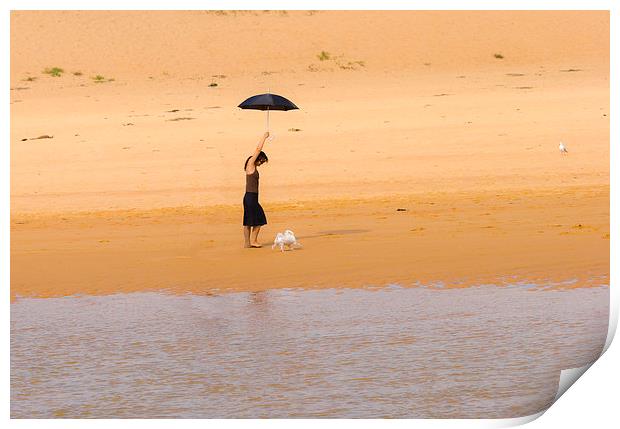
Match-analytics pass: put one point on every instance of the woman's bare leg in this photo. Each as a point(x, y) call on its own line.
point(246, 235)
point(254, 236)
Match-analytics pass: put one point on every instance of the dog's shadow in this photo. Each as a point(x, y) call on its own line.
point(328, 233)
point(333, 232)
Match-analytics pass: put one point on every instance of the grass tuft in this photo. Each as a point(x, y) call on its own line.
point(101, 79)
point(54, 71)
point(324, 56)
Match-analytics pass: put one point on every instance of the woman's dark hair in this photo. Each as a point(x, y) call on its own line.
point(262, 157)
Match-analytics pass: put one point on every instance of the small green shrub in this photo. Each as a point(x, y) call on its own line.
point(324, 56)
point(101, 79)
point(54, 71)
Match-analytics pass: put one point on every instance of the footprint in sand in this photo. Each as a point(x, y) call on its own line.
point(44, 136)
point(581, 227)
point(575, 229)
point(183, 118)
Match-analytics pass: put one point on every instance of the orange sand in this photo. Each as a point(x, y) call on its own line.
point(412, 110)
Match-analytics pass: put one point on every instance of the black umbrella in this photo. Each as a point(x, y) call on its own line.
point(268, 102)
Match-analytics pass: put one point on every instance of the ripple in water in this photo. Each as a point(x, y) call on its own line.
point(485, 352)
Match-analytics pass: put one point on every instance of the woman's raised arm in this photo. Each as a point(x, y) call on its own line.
point(258, 150)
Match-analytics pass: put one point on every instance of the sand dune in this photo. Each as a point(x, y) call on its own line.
point(395, 106)
point(137, 44)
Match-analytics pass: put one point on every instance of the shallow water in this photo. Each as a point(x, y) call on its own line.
point(394, 352)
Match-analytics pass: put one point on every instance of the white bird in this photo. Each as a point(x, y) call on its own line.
point(286, 239)
point(563, 148)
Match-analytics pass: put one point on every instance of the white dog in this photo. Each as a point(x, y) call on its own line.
point(286, 239)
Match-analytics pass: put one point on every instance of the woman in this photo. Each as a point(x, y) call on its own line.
point(253, 214)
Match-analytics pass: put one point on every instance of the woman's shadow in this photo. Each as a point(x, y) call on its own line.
point(334, 232)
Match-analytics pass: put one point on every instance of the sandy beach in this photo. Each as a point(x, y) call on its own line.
point(452, 117)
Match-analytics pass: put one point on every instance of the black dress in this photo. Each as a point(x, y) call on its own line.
point(253, 213)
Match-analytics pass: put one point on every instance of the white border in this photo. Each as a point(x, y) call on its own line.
point(312, 5)
point(596, 392)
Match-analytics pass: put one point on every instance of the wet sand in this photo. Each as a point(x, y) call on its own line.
point(455, 117)
point(452, 239)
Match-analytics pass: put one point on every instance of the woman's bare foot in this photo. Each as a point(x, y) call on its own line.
point(256, 245)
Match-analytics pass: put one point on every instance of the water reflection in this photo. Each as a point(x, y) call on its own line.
point(476, 352)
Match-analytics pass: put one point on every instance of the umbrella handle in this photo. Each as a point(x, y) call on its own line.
point(268, 92)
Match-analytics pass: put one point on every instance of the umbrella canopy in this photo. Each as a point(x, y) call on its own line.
point(268, 102)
